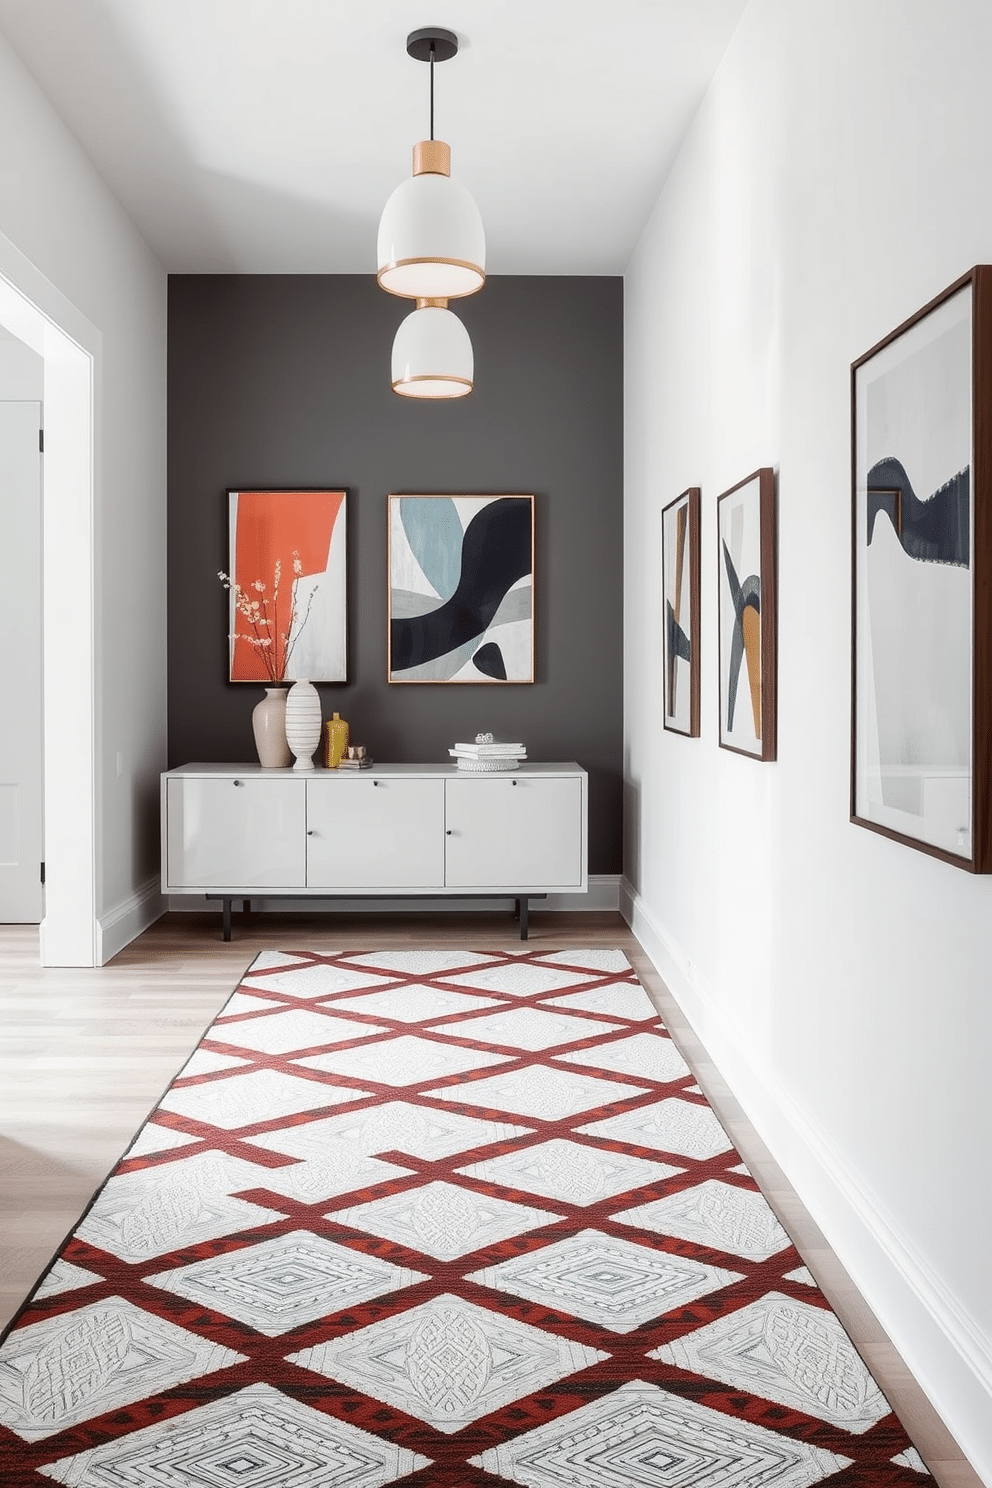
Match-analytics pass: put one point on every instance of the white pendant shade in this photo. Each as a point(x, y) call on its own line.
point(432, 244)
point(432, 355)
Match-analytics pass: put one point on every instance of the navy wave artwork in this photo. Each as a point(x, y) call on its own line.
point(678, 649)
point(496, 553)
point(746, 595)
point(934, 531)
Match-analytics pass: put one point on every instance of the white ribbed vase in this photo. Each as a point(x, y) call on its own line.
point(303, 723)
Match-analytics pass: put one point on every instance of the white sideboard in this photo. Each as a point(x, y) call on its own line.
point(238, 832)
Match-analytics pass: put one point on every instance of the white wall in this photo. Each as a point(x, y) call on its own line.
point(61, 217)
point(837, 177)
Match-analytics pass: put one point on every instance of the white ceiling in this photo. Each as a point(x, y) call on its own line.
point(264, 136)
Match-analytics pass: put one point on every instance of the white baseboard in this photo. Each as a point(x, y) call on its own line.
point(604, 894)
point(941, 1343)
point(126, 920)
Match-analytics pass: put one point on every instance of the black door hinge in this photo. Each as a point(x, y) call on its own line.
point(41, 441)
point(43, 873)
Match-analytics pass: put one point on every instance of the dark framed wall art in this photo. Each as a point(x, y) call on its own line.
point(461, 588)
point(287, 578)
point(921, 716)
point(680, 612)
point(746, 555)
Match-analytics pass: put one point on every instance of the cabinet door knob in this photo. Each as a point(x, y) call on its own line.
point(449, 832)
point(375, 782)
point(238, 782)
point(311, 832)
point(513, 782)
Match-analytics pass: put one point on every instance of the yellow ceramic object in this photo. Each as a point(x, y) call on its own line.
point(335, 741)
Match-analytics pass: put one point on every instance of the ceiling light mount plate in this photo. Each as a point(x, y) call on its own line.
point(418, 44)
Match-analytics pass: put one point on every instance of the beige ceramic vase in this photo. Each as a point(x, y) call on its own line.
point(268, 721)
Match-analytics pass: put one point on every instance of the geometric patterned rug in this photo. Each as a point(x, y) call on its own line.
point(441, 1219)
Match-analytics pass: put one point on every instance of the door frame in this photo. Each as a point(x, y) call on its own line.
point(32, 309)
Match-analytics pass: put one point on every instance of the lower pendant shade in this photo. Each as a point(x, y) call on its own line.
point(432, 355)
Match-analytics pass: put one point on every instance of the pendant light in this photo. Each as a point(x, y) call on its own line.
point(431, 248)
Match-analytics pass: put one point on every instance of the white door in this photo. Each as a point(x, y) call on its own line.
point(236, 832)
point(21, 849)
point(374, 834)
point(514, 831)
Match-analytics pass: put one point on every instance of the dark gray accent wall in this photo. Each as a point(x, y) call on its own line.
point(283, 380)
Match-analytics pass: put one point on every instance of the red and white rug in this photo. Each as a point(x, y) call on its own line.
point(442, 1219)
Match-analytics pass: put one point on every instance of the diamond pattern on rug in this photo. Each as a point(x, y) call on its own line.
point(412, 1004)
point(394, 1126)
point(527, 1028)
point(448, 1362)
point(570, 1171)
point(651, 1056)
point(605, 1280)
point(791, 1352)
point(257, 1438)
point(155, 1138)
point(719, 1215)
point(802, 1275)
point(206, 1062)
point(646, 1436)
point(444, 1221)
point(82, 1364)
point(283, 1030)
point(422, 963)
point(65, 1277)
point(402, 1061)
point(519, 979)
point(285, 1282)
point(911, 1458)
point(549, 1094)
point(260, 1095)
point(670, 1125)
point(313, 982)
point(620, 1000)
point(443, 1244)
point(597, 961)
point(338, 1168)
point(247, 1002)
point(155, 1210)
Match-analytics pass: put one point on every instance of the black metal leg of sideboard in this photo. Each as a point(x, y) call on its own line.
point(226, 912)
point(522, 901)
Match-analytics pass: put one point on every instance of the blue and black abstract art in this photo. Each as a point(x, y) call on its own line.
point(461, 580)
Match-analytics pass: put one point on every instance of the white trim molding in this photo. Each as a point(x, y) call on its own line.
point(940, 1342)
point(126, 920)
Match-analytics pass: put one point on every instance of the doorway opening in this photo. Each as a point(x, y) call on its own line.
point(34, 311)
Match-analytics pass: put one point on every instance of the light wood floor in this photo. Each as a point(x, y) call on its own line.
point(85, 1055)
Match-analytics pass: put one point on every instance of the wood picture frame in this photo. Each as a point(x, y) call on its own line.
point(747, 623)
point(680, 574)
point(460, 588)
point(921, 591)
point(288, 558)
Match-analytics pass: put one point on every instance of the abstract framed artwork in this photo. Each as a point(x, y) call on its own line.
point(680, 612)
point(921, 712)
point(461, 588)
point(746, 556)
point(288, 557)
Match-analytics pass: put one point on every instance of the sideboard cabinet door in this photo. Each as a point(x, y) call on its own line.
point(237, 833)
point(375, 834)
point(514, 831)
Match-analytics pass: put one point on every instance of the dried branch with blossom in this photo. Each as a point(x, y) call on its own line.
point(260, 613)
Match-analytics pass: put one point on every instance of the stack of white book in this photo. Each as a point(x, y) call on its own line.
point(486, 757)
